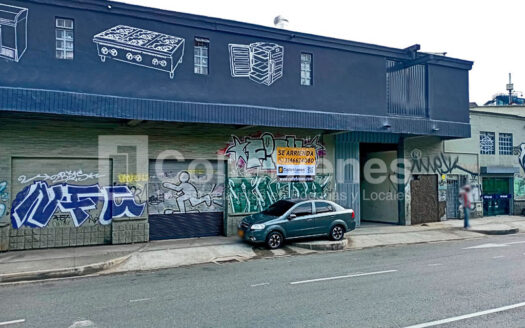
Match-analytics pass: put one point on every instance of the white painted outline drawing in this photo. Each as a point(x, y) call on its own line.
point(15, 18)
point(261, 62)
point(141, 47)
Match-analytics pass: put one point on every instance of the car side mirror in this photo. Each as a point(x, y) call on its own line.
point(292, 216)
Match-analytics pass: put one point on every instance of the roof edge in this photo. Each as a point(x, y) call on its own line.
point(231, 26)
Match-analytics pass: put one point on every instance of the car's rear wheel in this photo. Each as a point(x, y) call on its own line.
point(274, 240)
point(337, 232)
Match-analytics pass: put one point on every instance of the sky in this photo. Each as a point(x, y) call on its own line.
point(490, 33)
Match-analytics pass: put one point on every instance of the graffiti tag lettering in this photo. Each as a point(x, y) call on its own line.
point(36, 204)
point(253, 153)
point(65, 176)
point(439, 164)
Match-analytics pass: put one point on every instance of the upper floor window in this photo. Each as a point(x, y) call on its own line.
point(200, 60)
point(306, 69)
point(487, 144)
point(505, 144)
point(64, 38)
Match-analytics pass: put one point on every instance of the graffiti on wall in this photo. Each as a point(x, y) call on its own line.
point(60, 177)
point(259, 152)
point(247, 195)
point(438, 164)
point(184, 190)
point(4, 197)
point(521, 155)
point(185, 195)
point(38, 202)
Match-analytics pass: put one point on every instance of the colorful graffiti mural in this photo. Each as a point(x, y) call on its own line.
point(259, 152)
point(4, 197)
point(37, 203)
point(247, 195)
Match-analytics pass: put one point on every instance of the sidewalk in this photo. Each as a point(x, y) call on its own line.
point(68, 262)
point(374, 235)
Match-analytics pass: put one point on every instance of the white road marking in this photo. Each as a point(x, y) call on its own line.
point(498, 257)
point(467, 316)
point(261, 284)
point(341, 277)
point(140, 300)
point(83, 323)
point(489, 245)
point(435, 264)
point(516, 242)
point(493, 245)
point(5, 323)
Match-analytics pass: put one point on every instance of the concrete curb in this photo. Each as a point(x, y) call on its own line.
point(63, 272)
point(509, 231)
point(323, 245)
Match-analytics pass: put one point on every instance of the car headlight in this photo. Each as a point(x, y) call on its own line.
point(257, 227)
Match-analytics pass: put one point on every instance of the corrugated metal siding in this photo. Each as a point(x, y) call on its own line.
point(406, 89)
point(347, 177)
point(70, 103)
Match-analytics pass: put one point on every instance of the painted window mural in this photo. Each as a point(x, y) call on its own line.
point(253, 184)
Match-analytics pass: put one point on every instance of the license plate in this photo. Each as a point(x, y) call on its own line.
point(240, 233)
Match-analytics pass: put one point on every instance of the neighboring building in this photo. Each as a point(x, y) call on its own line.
point(94, 93)
point(497, 143)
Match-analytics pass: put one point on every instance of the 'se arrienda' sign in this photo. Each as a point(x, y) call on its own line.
point(295, 164)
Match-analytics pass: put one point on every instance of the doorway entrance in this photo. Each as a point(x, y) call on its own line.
point(497, 195)
point(379, 194)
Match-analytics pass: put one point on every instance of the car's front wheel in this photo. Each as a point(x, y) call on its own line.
point(274, 240)
point(337, 232)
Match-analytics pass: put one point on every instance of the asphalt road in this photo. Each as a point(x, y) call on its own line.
point(418, 285)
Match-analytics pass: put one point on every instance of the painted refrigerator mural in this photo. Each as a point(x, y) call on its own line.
point(141, 47)
point(254, 185)
point(13, 32)
point(261, 62)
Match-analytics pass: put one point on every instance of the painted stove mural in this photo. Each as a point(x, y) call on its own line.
point(141, 47)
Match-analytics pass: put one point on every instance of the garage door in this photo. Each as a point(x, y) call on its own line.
point(185, 199)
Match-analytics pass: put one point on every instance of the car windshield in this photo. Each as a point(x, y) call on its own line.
point(279, 208)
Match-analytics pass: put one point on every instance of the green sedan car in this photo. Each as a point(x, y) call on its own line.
point(289, 219)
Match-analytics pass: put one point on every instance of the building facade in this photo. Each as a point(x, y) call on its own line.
point(125, 124)
point(496, 143)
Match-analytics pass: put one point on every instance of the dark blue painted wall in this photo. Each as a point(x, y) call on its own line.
point(344, 81)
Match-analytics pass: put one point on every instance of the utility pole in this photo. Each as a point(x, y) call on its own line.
point(510, 88)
